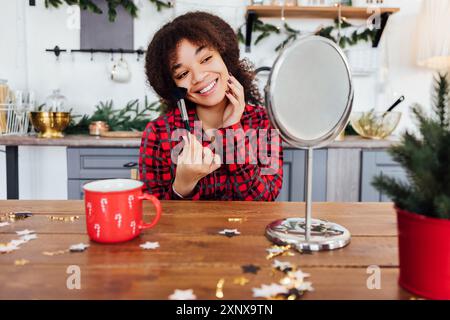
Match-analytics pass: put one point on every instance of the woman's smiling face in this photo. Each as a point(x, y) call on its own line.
point(202, 72)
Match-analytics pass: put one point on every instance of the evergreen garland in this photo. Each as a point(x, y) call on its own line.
point(90, 5)
point(267, 29)
point(129, 118)
point(426, 160)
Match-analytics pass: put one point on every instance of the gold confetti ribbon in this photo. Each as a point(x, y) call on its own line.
point(280, 251)
point(219, 289)
point(14, 216)
point(63, 218)
point(21, 262)
point(55, 253)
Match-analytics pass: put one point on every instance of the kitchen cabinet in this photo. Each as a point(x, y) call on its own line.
point(339, 174)
point(294, 168)
point(375, 163)
point(88, 164)
point(342, 171)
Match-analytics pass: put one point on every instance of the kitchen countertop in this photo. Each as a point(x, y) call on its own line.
point(193, 255)
point(92, 141)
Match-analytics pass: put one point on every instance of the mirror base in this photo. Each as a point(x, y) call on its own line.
point(325, 235)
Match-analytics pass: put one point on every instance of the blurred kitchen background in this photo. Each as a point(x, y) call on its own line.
point(381, 75)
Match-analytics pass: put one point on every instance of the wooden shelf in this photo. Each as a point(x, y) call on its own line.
point(324, 12)
point(316, 12)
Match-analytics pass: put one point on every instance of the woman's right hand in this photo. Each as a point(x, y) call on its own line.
point(193, 163)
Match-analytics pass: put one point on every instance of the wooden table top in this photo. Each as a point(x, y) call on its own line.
point(192, 255)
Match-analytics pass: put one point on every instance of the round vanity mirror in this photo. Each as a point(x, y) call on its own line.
point(309, 97)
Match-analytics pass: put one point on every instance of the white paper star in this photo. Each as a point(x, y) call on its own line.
point(150, 245)
point(298, 275)
point(183, 295)
point(305, 286)
point(8, 248)
point(281, 265)
point(4, 224)
point(78, 247)
point(17, 242)
point(267, 291)
point(229, 232)
point(25, 232)
point(28, 237)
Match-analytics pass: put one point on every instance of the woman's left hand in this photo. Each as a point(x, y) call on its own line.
point(236, 105)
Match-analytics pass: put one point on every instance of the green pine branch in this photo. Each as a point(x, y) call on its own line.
point(265, 30)
point(426, 160)
point(112, 5)
point(129, 118)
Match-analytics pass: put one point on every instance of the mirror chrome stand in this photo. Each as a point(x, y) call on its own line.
point(307, 234)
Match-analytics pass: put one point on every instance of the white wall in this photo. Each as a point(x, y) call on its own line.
point(28, 31)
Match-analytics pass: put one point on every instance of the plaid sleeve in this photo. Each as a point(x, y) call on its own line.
point(260, 181)
point(154, 167)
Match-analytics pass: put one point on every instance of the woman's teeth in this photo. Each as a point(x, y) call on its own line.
point(209, 87)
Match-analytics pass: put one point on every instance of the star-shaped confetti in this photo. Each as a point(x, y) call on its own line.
point(28, 237)
point(25, 232)
point(268, 291)
point(8, 248)
point(230, 232)
point(80, 247)
point(250, 268)
point(17, 242)
point(242, 281)
point(149, 245)
point(183, 295)
point(4, 224)
point(298, 275)
point(282, 266)
point(296, 280)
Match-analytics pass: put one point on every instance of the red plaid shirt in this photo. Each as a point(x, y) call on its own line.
point(232, 181)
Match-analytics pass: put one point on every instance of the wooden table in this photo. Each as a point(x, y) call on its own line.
point(193, 254)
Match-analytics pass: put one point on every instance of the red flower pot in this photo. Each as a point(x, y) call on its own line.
point(424, 254)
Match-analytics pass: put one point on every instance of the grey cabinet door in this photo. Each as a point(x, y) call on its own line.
point(294, 169)
point(375, 163)
point(100, 163)
point(88, 164)
point(75, 189)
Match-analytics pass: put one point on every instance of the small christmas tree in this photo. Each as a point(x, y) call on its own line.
point(426, 159)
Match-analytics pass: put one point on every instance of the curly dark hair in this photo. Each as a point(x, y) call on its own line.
point(200, 28)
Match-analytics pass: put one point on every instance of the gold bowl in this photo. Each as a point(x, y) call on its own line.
point(50, 124)
point(375, 125)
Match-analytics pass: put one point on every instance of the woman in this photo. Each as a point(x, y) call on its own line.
point(199, 51)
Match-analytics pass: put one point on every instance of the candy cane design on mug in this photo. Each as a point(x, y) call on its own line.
point(130, 201)
point(97, 227)
point(133, 226)
point(103, 203)
point(89, 207)
point(118, 217)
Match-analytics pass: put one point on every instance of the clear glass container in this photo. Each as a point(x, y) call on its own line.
point(56, 102)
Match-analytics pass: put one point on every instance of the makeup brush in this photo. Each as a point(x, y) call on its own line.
point(180, 93)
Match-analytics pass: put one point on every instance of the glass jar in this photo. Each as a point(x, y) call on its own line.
point(56, 102)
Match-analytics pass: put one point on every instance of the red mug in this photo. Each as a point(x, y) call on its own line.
point(114, 209)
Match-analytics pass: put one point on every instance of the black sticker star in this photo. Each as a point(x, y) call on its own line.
point(250, 268)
